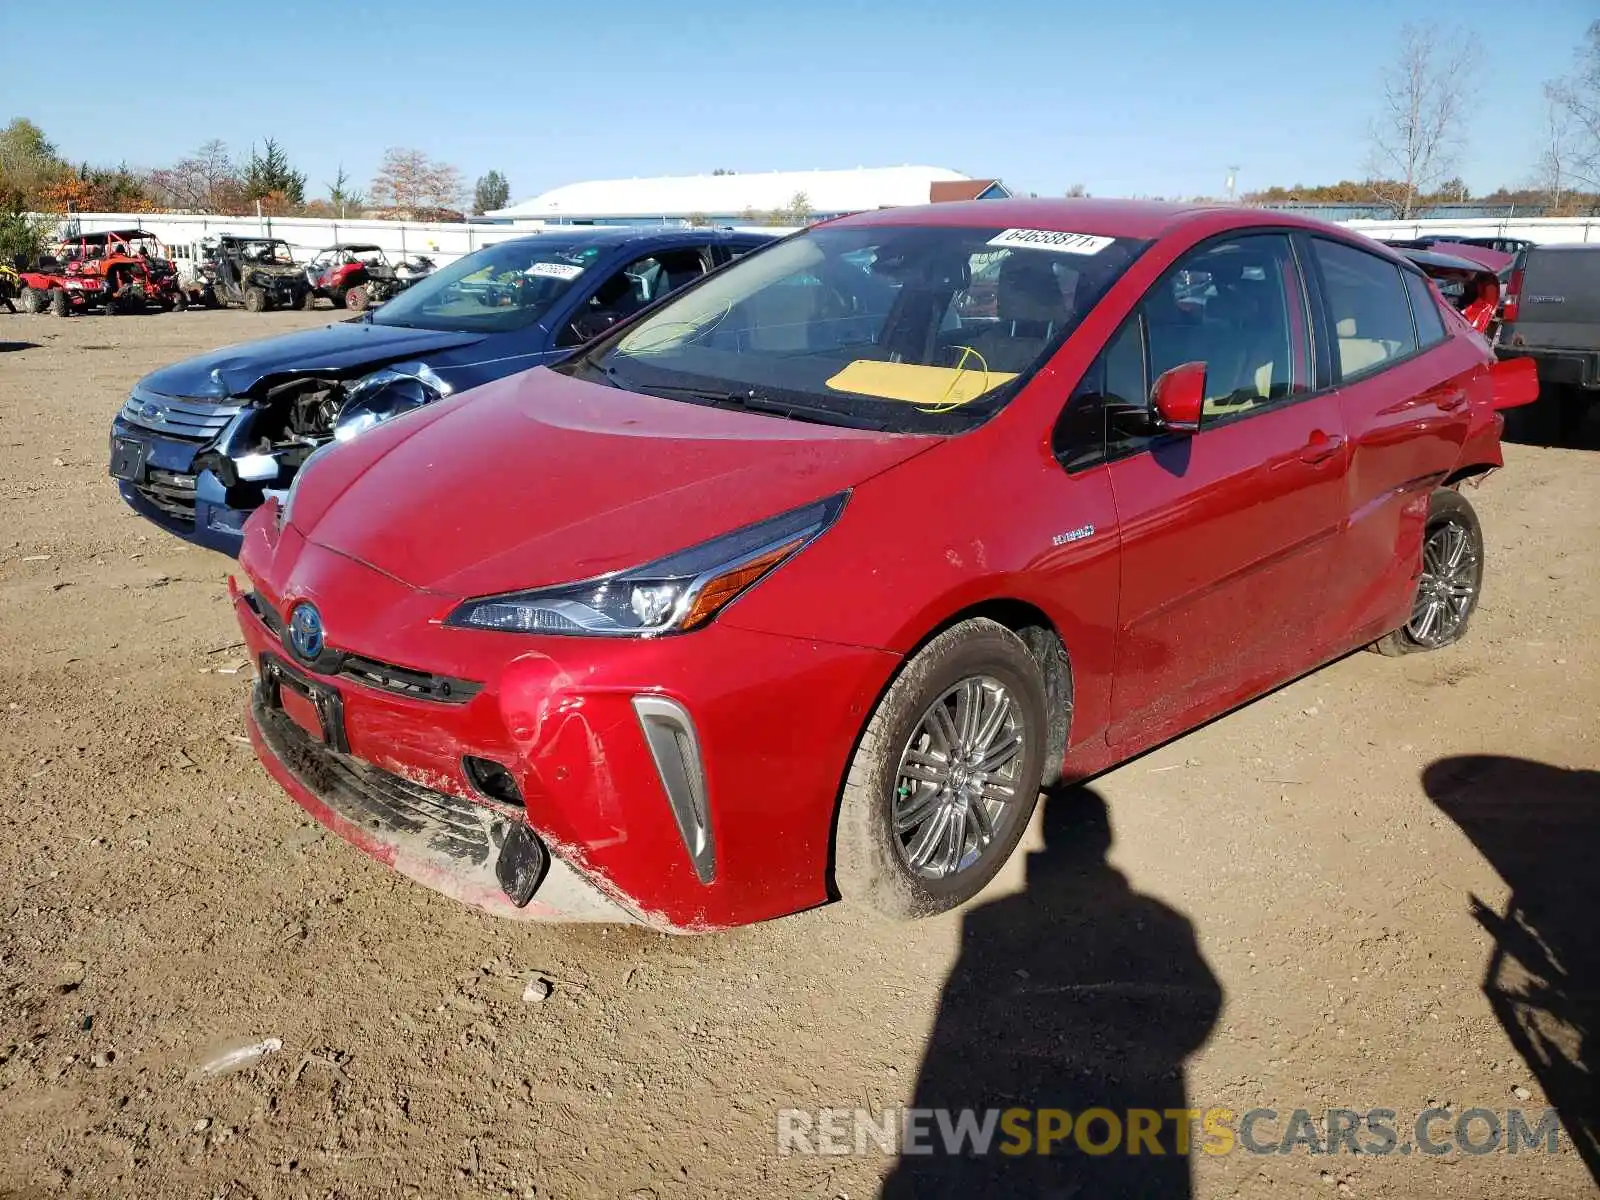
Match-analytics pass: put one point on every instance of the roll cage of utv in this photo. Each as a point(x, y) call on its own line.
point(120, 270)
point(257, 272)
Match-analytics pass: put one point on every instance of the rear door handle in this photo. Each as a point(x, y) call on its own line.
point(1451, 401)
point(1321, 446)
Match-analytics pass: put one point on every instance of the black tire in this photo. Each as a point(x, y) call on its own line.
point(255, 300)
point(356, 299)
point(34, 300)
point(59, 304)
point(872, 864)
point(309, 301)
point(179, 302)
point(213, 299)
point(1447, 510)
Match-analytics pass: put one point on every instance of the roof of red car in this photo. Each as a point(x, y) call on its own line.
point(1108, 218)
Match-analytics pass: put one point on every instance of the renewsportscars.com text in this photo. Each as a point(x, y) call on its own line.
point(1150, 1131)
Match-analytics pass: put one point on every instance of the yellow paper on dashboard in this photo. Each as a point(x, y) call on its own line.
point(914, 383)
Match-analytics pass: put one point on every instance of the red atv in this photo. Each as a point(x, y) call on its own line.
point(355, 275)
point(119, 271)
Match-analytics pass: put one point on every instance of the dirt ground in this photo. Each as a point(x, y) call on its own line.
point(1386, 921)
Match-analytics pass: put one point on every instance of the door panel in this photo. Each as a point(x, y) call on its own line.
point(1406, 393)
point(1406, 426)
point(1227, 542)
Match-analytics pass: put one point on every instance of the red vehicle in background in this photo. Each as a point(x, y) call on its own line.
point(354, 275)
point(1473, 280)
point(119, 271)
point(800, 584)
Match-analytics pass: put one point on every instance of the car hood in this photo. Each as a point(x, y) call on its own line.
point(541, 479)
point(336, 349)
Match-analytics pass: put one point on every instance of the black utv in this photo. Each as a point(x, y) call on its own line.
point(259, 273)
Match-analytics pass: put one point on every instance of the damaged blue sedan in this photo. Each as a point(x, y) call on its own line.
point(200, 445)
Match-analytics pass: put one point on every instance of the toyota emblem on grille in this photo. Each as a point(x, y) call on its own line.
point(306, 636)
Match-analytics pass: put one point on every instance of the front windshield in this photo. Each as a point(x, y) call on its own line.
point(906, 328)
point(263, 251)
point(505, 286)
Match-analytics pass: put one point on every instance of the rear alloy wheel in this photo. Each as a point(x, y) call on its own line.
point(356, 299)
point(59, 303)
point(255, 300)
point(1451, 581)
point(946, 775)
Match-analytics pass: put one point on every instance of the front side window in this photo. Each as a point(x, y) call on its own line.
point(1237, 306)
point(506, 286)
point(1367, 308)
point(902, 328)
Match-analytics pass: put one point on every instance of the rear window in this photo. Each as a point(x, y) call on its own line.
point(1430, 323)
point(1367, 306)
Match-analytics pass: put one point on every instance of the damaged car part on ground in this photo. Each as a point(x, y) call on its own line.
point(200, 444)
point(799, 586)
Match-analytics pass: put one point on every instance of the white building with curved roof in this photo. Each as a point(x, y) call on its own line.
point(738, 198)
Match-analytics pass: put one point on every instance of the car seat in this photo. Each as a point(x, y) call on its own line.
point(1029, 310)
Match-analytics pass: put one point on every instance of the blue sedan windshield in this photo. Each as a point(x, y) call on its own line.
point(507, 286)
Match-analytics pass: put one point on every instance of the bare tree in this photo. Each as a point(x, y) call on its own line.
point(1417, 133)
point(410, 179)
point(1577, 97)
point(207, 181)
point(1553, 176)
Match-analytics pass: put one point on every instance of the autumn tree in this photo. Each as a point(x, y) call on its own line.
point(1416, 135)
point(409, 179)
point(1575, 101)
point(29, 164)
point(492, 192)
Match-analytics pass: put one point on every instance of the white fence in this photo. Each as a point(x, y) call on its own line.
point(1533, 229)
point(442, 242)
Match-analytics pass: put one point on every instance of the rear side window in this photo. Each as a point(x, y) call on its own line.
point(1367, 307)
point(1430, 323)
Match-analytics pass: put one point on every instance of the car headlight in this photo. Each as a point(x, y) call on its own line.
point(671, 595)
point(299, 477)
point(387, 393)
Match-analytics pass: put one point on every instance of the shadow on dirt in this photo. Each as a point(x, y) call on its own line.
point(1539, 827)
point(1563, 417)
point(13, 347)
point(1076, 993)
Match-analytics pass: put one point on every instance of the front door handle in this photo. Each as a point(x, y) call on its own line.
point(1321, 446)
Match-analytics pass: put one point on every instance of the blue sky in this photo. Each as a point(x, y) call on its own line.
point(1154, 98)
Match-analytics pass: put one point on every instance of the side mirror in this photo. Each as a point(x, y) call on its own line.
point(1179, 396)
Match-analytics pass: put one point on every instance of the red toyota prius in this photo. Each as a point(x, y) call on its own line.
point(800, 585)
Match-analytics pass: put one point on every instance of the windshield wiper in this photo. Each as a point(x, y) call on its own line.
point(754, 401)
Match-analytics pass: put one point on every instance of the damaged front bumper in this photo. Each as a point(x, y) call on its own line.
point(186, 463)
point(687, 784)
point(164, 477)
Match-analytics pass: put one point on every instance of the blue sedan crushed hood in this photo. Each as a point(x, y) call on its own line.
point(336, 349)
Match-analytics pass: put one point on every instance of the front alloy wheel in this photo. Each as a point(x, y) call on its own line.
point(946, 774)
point(957, 773)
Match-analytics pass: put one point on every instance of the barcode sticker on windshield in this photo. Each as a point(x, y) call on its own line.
point(1052, 239)
point(555, 270)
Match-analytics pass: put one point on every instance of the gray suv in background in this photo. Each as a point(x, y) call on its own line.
point(1552, 315)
